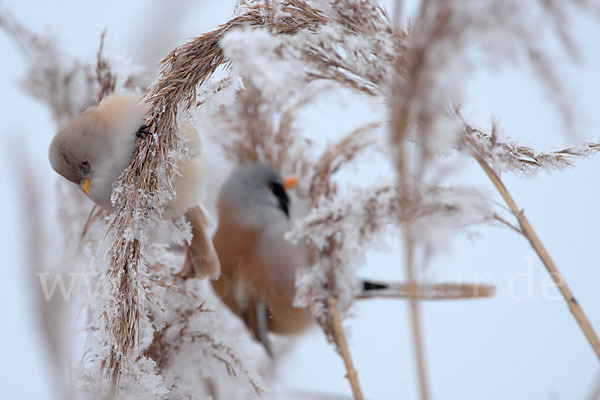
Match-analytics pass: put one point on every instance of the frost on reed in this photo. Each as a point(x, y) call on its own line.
point(419, 72)
point(146, 331)
point(155, 336)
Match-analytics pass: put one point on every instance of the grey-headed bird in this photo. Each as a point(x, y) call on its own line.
point(258, 266)
point(95, 148)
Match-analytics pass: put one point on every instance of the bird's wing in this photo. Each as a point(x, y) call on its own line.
point(242, 278)
point(200, 256)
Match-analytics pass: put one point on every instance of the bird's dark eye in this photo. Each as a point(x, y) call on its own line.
point(282, 197)
point(85, 165)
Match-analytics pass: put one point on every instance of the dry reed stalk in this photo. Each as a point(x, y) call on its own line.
point(399, 137)
point(417, 334)
point(336, 156)
point(189, 65)
point(342, 345)
point(95, 213)
point(414, 113)
point(106, 79)
point(256, 135)
point(528, 231)
point(510, 156)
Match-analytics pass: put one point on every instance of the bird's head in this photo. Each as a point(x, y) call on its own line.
point(257, 193)
point(93, 150)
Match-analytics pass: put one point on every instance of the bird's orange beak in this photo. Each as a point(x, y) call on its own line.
point(290, 182)
point(85, 186)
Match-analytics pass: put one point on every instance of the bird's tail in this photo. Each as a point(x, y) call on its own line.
point(200, 256)
point(433, 291)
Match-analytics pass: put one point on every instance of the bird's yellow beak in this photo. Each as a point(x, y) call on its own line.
point(290, 182)
point(85, 186)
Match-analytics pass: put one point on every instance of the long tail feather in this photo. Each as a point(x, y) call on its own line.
point(434, 291)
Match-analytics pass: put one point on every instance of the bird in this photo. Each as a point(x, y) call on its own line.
point(258, 266)
point(94, 149)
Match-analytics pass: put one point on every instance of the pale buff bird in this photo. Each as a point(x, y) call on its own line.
point(95, 148)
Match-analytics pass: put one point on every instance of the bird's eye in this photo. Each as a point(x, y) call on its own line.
point(85, 165)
